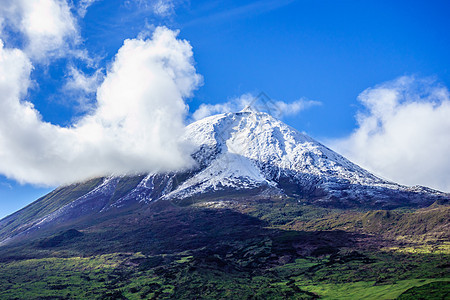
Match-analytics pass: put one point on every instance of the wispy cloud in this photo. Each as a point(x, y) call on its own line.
point(164, 7)
point(81, 81)
point(6, 185)
point(83, 5)
point(404, 133)
point(82, 87)
point(161, 8)
point(254, 8)
point(257, 102)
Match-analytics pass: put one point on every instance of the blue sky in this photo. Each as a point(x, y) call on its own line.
point(328, 52)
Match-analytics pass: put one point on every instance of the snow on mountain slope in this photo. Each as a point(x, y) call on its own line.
point(249, 149)
point(91, 202)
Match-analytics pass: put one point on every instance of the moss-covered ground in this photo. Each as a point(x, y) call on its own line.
point(137, 276)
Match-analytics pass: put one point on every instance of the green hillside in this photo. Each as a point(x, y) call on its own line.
point(235, 249)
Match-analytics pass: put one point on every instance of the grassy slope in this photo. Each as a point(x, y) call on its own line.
point(418, 225)
point(435, 290)
point(189, 275)
point(261, 249)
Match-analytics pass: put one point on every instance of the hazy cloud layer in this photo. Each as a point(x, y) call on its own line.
point(277, 109)
point(404, 134)
point(135, 127)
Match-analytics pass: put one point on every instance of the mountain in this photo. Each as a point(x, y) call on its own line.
point(246, 154)
point(253, 151)
point(265, 212)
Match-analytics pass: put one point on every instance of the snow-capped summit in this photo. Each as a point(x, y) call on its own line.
point(251, 150)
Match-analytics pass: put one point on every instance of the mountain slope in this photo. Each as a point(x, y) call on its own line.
point(244, 155)
point(27, 216)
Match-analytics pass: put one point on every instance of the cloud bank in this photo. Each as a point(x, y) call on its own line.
point(277, 109)
point(404, 134)
point(135, 126)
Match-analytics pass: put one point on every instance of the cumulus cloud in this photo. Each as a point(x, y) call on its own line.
point(47, 26)
point(260, 102)
point(404, 134)
point(135, 126)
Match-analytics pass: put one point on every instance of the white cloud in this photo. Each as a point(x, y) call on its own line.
point(135, 127)
point(293, 108)
point(261, 102)
point(80, 81)
point(47, 26)
point(405, 134)
point(6, 185)
point(234, 105)
point(163, 7)
point(82, 87)
point(83, 5)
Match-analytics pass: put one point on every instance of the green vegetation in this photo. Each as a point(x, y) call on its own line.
point(415, 225)
point(368, 290)
point(206, 275)
point(435, 291)
point(255, 249)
